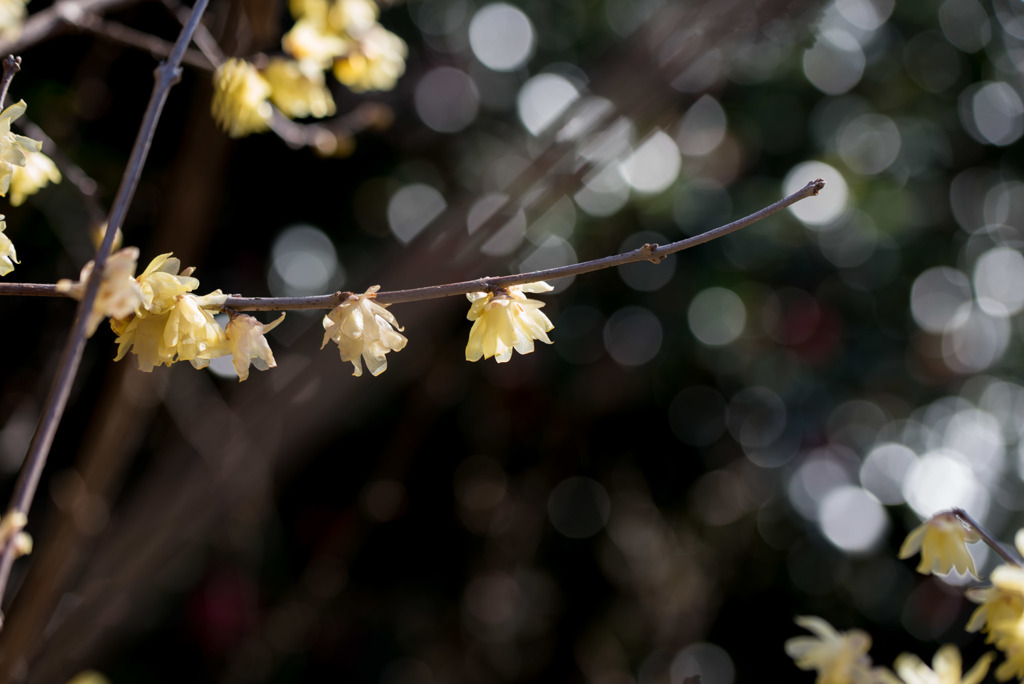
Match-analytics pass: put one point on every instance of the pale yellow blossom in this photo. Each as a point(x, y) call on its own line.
point(310, 40)
point(942, 542)
point(947, 668)
point(374, 63)
point(8, 256)
point(120, 293)
point(12, 16)
point(14, 148)
point(1001, 614)
point(838, 657)
point(240, 95)
point(186, 332)
point(247, 344)
point(162, 284)
point(352, 17)
point(298, 89)
point(38, 171)
point(506, 320)
point(364, 329)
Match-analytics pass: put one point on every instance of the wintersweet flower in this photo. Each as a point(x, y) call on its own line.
point(375, 63)
point(353, 17)
point(838, 657)
point(363, 329)
point(14, 148)
point(12, 16)
point(298, 89)
point(506, 320)
point(310, 40)
point(119, 294)
point(38, 172)
point(186, 332)
point(8, 257)
point(247, 344)
point(240, 95)
point(162, 284)
point(942, 541)
point(947, 668)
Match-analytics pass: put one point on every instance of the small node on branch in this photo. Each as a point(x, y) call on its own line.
point(651, 248)
point(818, 184)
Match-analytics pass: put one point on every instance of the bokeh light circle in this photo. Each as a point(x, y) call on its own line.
point(818, 211)
point(502, 36)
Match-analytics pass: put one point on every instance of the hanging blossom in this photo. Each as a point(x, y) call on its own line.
point(38, 172)
point(14, 148)
point(947, 668)
point(119, 294)
point(247, 344)
point(375, 62)
point(1001, 614)
point(8, 257)
point(298, 89)
point(838, 657)
point(240, 95)
point(942, 542)
point(171, 324)
point(363, 329)
point(506, 320)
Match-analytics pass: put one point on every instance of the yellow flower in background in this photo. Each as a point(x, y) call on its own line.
point(375, 63)
point(162, 284)
point(364, 329)
point(38, 171)
point(838, 657)
point(8, 257)
point(240, 95)
point(310, 40)
point(120, 293)
point(247, 344)
point(947, 668)
point(352, 17)
point(12, 16)
point(506, 320)
point(942, 542)
point(298, 88)
point(14, 148)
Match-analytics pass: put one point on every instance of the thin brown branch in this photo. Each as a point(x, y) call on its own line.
point(991, 541)
point(167, 74)
point(12, 65)
point(125, 35)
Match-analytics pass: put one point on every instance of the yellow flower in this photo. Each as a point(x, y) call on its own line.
point(14, 148)
point(838, 657)
point(297, 88)
point(942, 541)
point(240, 95)
point(119, 294)
point(363, 328)
point(310, 40)
point(12, 16)
point(248, 345)
point(1001, 614)
point(352, 17)
point(8, 257)
point(162, 284)
point(186, 332)
point(38, 171)
point(506, 320)
point(948, 668)
point(375, 63)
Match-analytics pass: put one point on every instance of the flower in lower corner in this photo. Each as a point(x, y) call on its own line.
point(838, 657)
point(248, 345)
point(942, 542)
point(240, 95)
point(8, 257)
point(363, 329)
point(506, 320)
point(947, 668)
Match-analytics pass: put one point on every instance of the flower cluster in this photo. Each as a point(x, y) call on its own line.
point(342, 36)
point(842, 658)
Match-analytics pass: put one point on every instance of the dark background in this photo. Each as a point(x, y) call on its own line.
point(631, 504)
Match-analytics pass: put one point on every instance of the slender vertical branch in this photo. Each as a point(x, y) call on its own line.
point(12, 65)
point(167, 74)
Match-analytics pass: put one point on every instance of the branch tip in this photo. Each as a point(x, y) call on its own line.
point(818, 184)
